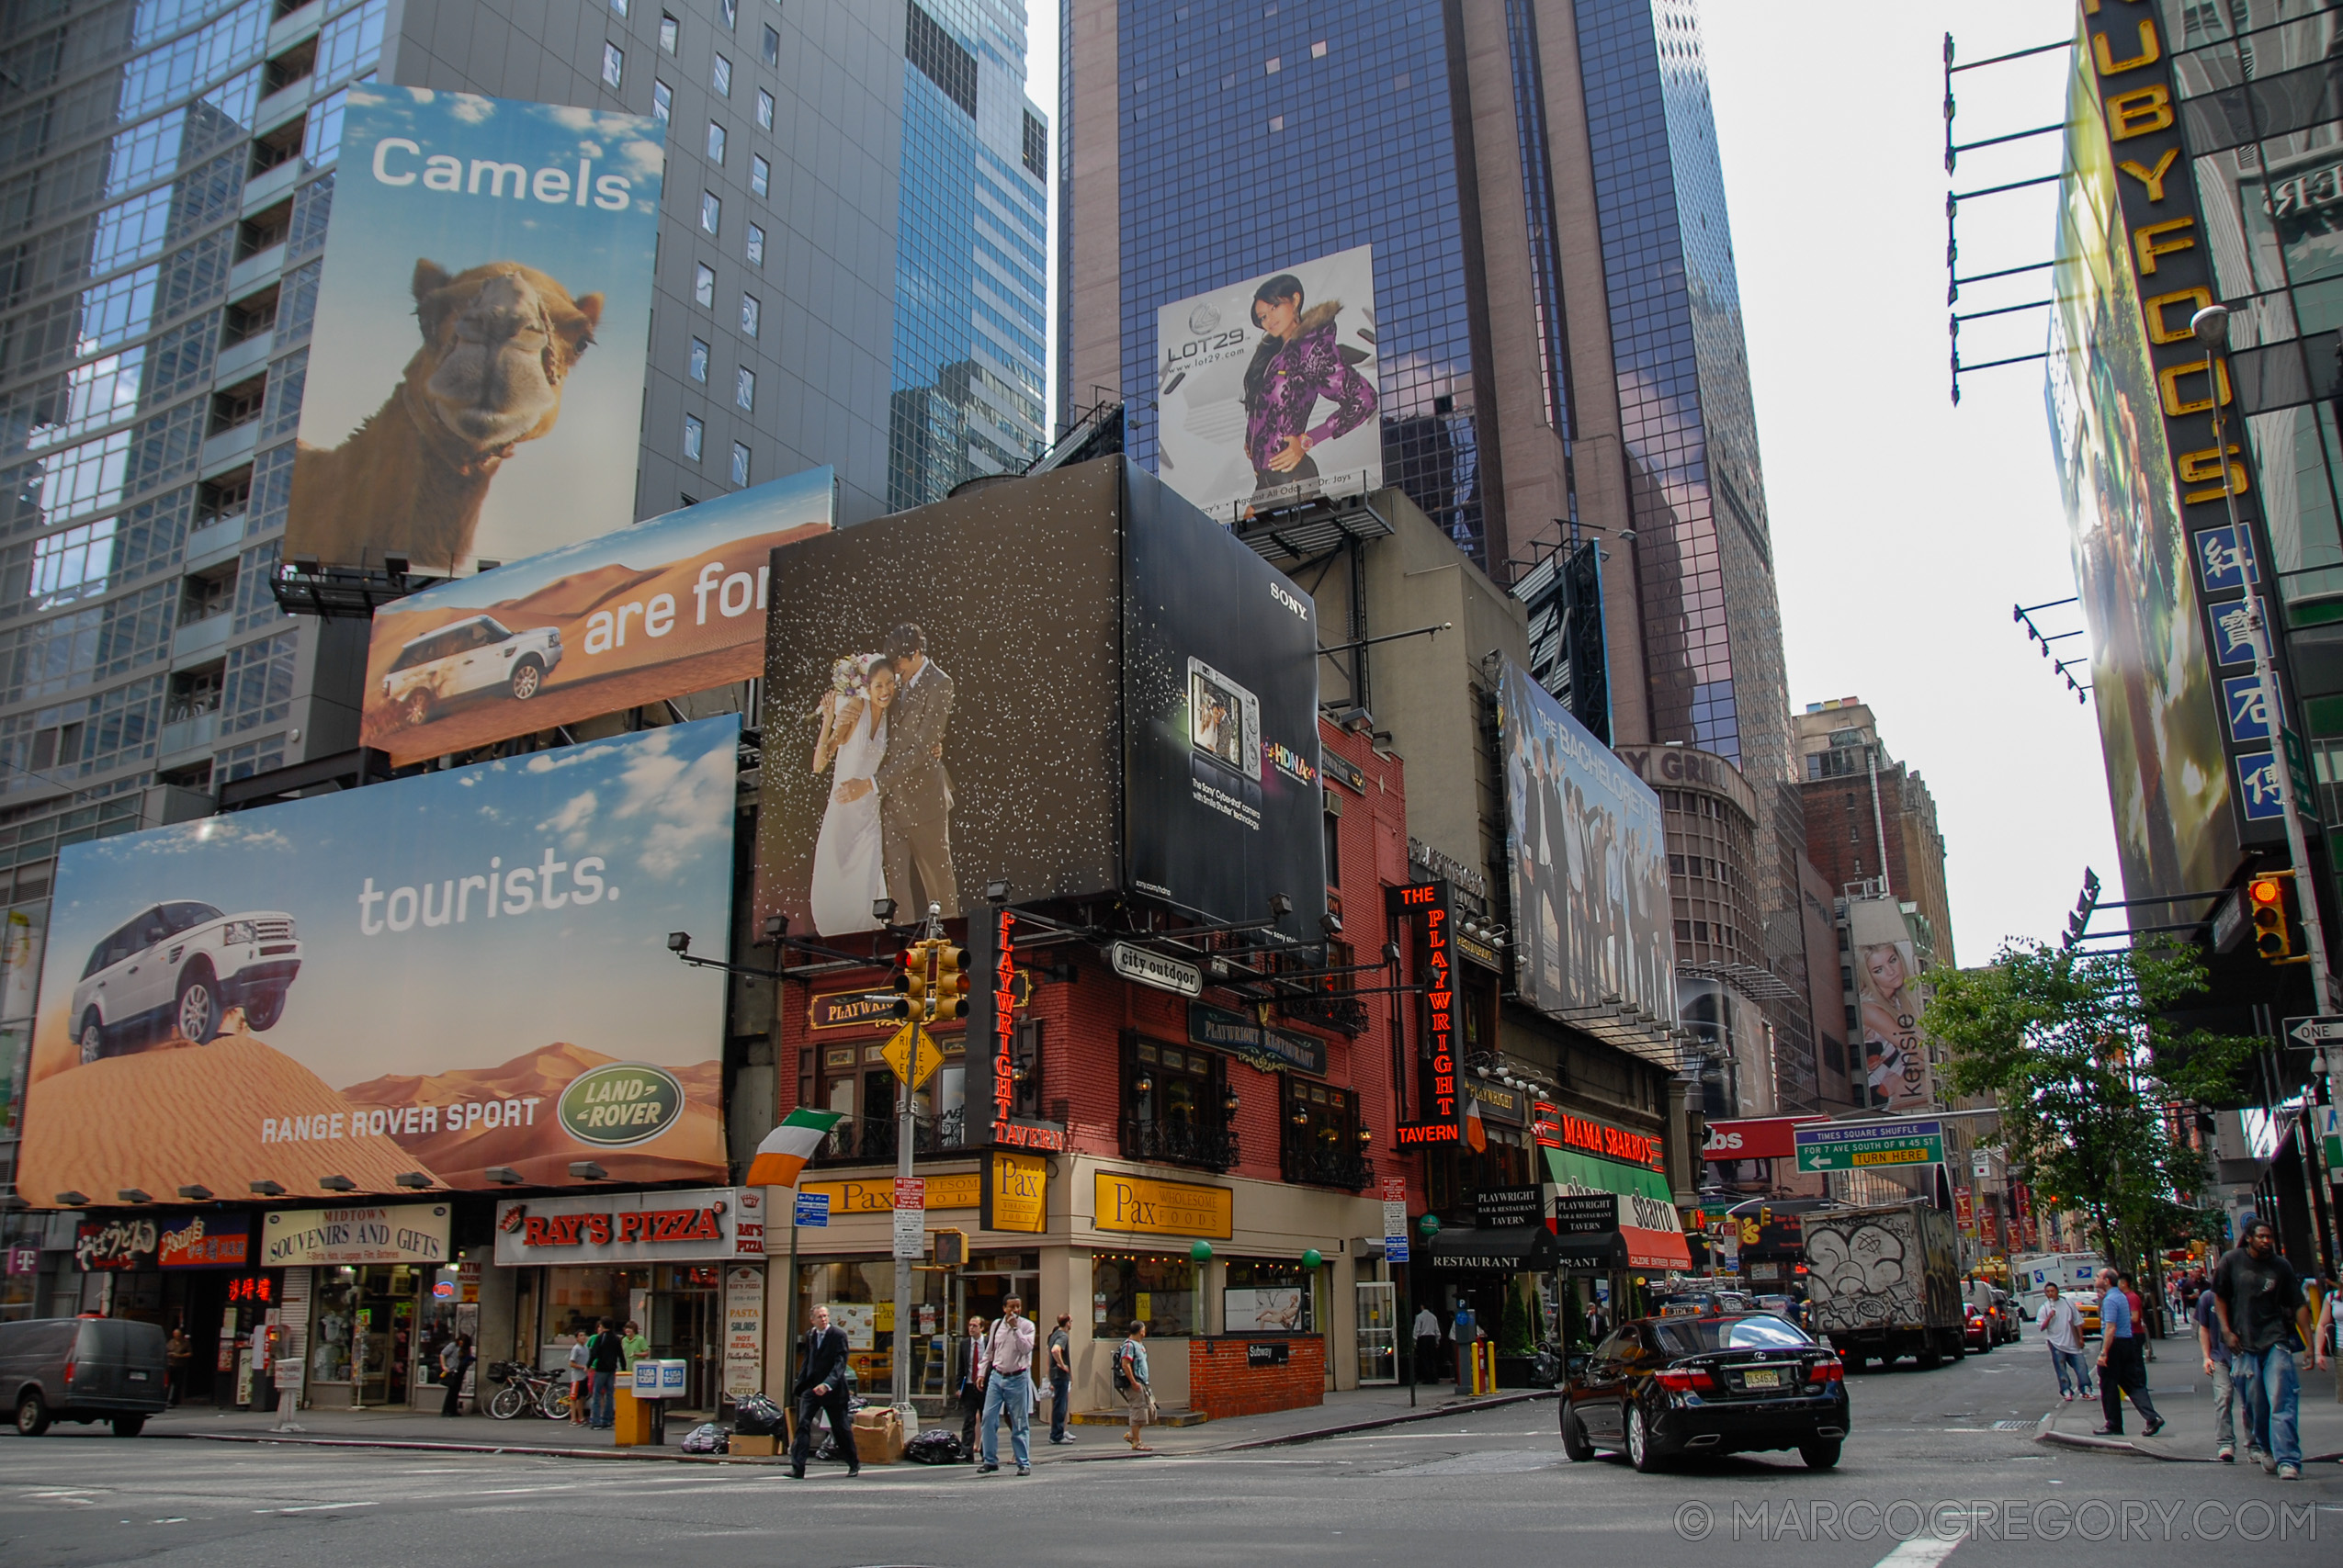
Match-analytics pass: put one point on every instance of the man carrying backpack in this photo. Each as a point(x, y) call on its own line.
point(1130, 1381)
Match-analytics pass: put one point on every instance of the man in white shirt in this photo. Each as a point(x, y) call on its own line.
point(1427, 1345)
point(2062, 1325)
point(1006, 1378)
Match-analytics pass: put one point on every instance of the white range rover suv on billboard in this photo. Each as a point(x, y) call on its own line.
point(477, 654)
point(175, 969)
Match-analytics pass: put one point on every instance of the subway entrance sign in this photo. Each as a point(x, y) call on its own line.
point(1855, 1145)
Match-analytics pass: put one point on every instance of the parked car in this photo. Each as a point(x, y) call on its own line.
point(2009, 1322)
point(84, 1369)
point(177, 967)
point(1728, 1383)
point(466, 658)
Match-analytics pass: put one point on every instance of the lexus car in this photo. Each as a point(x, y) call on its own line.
point(477, 654)
point(1664, 1387)
point(175, 969)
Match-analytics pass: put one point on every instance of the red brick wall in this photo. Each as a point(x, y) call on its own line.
point(1084, 1020)
point(1220, 1385)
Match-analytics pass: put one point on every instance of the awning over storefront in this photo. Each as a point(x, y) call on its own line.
point(1656, 1241)
point(1510, 1249)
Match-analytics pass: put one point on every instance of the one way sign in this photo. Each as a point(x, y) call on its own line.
point(2315, 1031)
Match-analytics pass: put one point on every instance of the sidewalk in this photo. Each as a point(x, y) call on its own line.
point(2183, 1396)
point(1353, 1411)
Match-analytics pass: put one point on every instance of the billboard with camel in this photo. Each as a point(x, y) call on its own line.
point(437, 978)
point(672, 604)
point(474, 389)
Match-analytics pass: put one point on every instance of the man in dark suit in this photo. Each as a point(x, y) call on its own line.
point(821, 1385)
point(914, 792)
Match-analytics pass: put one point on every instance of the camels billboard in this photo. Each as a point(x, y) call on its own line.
point(474, 389)
point(433, 978)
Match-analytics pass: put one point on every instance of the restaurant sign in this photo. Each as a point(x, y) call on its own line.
point(695, 1223)
point(1016, 1193)
point(107, 1245)
point(1271, 1050)
point(1144, 1207)
point(206, 1241)
point(399, 1233)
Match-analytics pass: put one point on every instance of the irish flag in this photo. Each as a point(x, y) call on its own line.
point(786, 1148)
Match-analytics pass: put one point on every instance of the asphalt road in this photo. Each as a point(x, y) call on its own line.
point(1927, 1459)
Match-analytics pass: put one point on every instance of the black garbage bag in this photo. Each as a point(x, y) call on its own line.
point(936, 1445)
point(707, 1438)
point(757, 1416)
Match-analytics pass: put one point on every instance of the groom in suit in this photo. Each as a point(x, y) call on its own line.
point(914, 792)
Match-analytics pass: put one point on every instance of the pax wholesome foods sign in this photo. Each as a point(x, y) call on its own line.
point(1136, 1204)
point(671, 605)
point(475, 381)
point(440, 976)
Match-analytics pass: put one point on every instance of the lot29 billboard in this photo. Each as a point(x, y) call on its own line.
point(438, 975)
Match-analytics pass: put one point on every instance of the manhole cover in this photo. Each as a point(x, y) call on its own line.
point(2013, 1426)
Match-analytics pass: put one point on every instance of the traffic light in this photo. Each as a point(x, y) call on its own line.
point(952, 984)
point(912, 1000)
point(2266, 900)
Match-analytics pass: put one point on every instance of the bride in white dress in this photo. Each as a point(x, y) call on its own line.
point(848, 875)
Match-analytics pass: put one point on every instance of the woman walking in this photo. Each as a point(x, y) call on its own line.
point(579, 1375)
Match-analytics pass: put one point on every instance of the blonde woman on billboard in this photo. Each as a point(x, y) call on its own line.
point(1296, 365)
point(1890, 1012)
point(848, 869)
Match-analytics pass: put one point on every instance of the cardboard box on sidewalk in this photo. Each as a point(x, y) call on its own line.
point(766, 1446)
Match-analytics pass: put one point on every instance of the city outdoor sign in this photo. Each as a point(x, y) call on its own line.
point(1154, 970)
point(1861, 1145)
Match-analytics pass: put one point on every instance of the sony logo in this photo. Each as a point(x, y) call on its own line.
point(1277, 590)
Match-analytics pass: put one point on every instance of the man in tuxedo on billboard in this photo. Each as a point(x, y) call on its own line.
point(914, 791)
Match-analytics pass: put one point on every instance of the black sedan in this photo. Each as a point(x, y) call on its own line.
point(1661, 1387)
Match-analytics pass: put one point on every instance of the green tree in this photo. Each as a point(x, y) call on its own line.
point(1515, 1338)
point(2093, 1083)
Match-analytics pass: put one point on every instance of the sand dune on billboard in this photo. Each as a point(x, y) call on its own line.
point(539, 1148)
point(568, 605)
point(193, 1114)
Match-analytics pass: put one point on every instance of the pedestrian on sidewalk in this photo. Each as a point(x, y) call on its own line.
point(455, 1360)
point(178, 1354)
point(604, 1352)
point(2260, 1298)
point(1427, 1330)
point(1131, 1383)
point(633, 1346)
point(822, 1387)
point(2121, 1367)
point(969, 1384)
point(579, 1375)
point(1061, 1378)
point(2215, 1352)
point(1007, 1378)
point(2060, 1323)
point(2138, 1304)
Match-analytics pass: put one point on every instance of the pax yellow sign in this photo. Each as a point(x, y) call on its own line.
point(961, 1190)
point(1016, 1192)
point(1134, 1204)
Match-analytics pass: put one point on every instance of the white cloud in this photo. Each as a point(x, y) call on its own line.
point(644, 159)
point(570, 757)
point(470, 108)
point(689, 803)
point(573, 818)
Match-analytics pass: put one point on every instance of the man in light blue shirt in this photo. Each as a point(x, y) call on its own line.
point(2123, 1361)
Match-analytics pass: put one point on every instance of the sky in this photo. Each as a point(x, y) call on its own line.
point(1903, 528)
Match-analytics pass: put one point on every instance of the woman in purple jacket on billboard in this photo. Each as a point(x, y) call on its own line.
point(1296, 365)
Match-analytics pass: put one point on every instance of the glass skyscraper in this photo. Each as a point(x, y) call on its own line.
point(971, 253)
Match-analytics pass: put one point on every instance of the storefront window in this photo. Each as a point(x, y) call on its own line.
point(333, 1315)
point(1159, 1291)
point(678, 1305)
point(1269, 1298)
point(861, 1299)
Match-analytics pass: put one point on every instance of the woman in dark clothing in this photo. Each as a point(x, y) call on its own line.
point(1296, 365)
point(971, 1395)
point(455, 1360)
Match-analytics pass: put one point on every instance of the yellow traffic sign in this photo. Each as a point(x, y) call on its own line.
point(913, 1054)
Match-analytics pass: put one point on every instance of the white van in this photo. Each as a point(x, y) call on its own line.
point(475, 655)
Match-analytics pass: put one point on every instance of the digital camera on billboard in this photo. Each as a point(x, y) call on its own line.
point(1224, 732)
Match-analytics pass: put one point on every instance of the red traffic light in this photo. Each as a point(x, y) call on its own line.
point(2265, 891)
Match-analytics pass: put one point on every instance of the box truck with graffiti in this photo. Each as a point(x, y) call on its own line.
point(1884, 1282)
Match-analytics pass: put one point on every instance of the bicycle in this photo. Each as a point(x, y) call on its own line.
point(526, 1389)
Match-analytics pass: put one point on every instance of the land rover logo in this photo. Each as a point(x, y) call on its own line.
point(621, 1103)
point(1203, 319)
